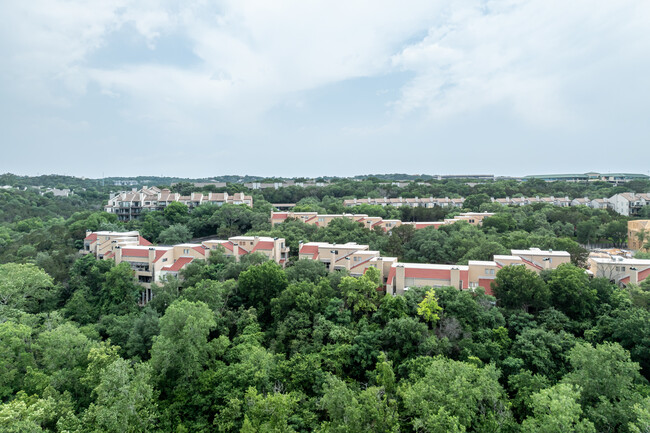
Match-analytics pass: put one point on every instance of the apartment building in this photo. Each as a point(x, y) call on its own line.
point(130, 205)
point(398, 277)
point(103, 242)
point(629, 203)
point(638, 234)
point(152, 263)
point(427, 202)
point(613, 178)
point(620, 270)
point(474, 218)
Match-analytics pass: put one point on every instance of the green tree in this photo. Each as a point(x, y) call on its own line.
point(557, 409)
point(16, 356)
point(360, 294)
point(259, 284)
point(429, 309)
point(24, 286)
point(571, 292)
point(125, 400)
point(175, 234)
point(607, 378)
point(176, 212)
point(454, 396)
point(181, 350)
point(518, 287)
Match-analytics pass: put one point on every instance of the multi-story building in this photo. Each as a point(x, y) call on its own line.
point(638, 234)
point(620, 270)
point(629, 203)
point(474, 218)
point(152, 263)
point(103, 242)
point(428, 202)
point(398, 277)
point(614, 178)
point(131, 205)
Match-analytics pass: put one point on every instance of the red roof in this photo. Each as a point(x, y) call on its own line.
point(279, 216)
point(311, 218)
point(391, 275)
point(531, 263)
point(132, 252)
point(108, 255)
point(309, 249)
point(178, 264)
point(263, 245)
point(227, 245)
point(91, 237)
point(359, 264)
point(143, 242)
point(159, 254)
point(200, 249)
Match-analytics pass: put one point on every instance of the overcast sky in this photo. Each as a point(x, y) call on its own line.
point(202, 88)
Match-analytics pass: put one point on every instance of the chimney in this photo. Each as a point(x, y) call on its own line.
point(454, 278)
point(235, 251)
point(118, 255)
point(152, 256)
point(400, 279)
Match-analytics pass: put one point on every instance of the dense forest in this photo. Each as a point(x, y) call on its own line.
point(251, 347)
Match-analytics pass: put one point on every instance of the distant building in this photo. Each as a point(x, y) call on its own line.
point(371, 222)
point(638, 234)
point(619, 270)
point(629, 203)
point(397, 277)
point(127, 182)
point(131, 205)
point(614, 178)
point(152, 263)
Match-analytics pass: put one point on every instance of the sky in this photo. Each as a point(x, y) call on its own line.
point(201, 88)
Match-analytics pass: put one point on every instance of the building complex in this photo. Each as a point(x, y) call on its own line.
point(371, 222)
point(152, 263)
point(131, 205)
point(398, 277)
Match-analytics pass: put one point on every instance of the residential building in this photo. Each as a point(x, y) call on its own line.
point(320, 220)
point(638, 234)
point(398, 277)
point(428, 202)
point(152, 263)
point(131, 205)
point(614, 178)
point(103, 242)
point(620, 270)
point(629, 203)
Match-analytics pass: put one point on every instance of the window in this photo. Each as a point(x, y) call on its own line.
point(164, 260)
point(186, 251)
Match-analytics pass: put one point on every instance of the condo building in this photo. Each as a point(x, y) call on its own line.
point(131, 205)
point(152, 263)
point(320, 220)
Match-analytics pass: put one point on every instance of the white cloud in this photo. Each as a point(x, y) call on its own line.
point(529, 55)
point(551, 63)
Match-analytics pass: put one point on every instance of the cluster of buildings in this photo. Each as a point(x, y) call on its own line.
point(152, 263)
point(638, 234)
point(628, 203)
point(620, 270)
point(371, 222)
point(398, 277)
point(130, 205)
point(613, 178)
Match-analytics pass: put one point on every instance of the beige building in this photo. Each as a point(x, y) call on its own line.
point(622, 271)
point(370, 222)
point(152, 263)
point(130, 205)
point(638, 234)
point(102, 242)
point(398, 277)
